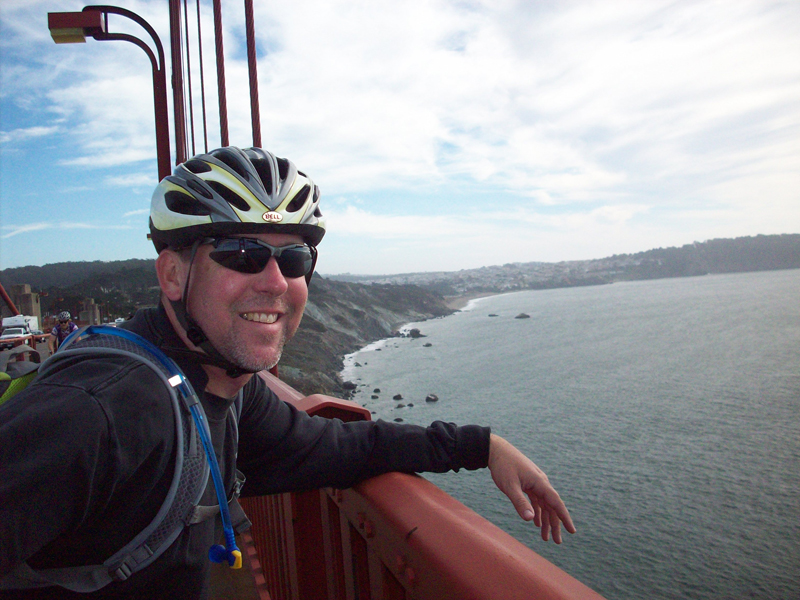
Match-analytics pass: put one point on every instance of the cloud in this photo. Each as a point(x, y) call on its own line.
point(16, 230)
point(136, 213)
point(131, 180)
point(27, 133)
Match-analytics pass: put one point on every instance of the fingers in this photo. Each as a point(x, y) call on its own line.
point(546, 524)
point(521, 503)
point(555, 526)
point(554, 506)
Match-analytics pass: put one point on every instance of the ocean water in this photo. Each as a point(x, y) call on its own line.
point(666, 413)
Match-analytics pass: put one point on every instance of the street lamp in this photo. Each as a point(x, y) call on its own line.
point(74, 27)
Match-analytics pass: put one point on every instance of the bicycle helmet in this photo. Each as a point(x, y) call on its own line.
point(64, 315)
point(234, 191)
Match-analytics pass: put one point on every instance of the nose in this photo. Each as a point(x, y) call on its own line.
point(271, 280)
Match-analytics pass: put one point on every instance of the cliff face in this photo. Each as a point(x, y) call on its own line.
point(342, 317)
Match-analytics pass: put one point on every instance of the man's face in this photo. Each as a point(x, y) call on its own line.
point(247, 317)
point(63, 324)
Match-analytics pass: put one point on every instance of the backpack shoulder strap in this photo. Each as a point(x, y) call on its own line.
point(239, 519)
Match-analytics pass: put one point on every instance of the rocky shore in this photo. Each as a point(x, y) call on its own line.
point(342, 317)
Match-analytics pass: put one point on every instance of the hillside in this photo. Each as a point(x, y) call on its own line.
point(758, 253)
point(343, 316)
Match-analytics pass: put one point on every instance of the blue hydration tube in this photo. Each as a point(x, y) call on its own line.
point(229, 553)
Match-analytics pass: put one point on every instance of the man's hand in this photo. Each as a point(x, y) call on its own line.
point(516, 475)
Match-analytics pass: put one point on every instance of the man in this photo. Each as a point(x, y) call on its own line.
point(236, 231)
point(61, 331)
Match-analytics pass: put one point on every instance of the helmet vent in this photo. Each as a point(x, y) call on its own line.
point(317, 212)
point(316, 193)
point(299, 200)
point(230, 196)
point(283, 167)
point(196, 166)
point(234, 162)
point(184, 204)
point(264, 172)
point(199, 188)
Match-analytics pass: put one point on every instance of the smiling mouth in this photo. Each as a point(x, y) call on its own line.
point(260, 317)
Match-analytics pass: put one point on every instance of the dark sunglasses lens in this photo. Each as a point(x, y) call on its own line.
point(295, 262)
point(63, 322)
point(229, 254)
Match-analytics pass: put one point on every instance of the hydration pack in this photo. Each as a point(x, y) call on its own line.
point(181, 505)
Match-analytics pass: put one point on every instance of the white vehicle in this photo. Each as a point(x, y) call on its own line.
point(29, 324)
point(10, 334)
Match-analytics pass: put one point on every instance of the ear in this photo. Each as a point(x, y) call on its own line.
point(171, 274)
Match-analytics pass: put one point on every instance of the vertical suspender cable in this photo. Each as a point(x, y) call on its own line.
point(189, 74)
point(255, 115)
point(223, 106)
point(202, 79)
point(177, 81)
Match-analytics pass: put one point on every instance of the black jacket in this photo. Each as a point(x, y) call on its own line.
point(87, 455)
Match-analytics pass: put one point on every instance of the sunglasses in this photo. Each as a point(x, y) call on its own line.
point(63, 322)
point(248, 255)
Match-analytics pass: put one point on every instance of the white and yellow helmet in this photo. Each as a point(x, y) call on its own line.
point(234, 191)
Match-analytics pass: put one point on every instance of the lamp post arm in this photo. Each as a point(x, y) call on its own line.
point(159, 77)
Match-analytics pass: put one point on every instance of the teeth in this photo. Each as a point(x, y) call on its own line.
point(260, 317)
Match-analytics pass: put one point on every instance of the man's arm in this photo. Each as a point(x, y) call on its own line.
point(528, 488)
point(51, 342)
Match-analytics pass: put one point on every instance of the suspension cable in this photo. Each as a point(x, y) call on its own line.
point(189, 75)
point(202, 79)
point(223, 105)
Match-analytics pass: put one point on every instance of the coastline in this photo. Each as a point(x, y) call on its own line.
point(459, 302)
point(454, 303)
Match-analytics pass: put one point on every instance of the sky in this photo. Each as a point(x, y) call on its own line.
point(444, 135)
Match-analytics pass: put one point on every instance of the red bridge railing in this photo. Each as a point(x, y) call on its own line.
point(393, 537)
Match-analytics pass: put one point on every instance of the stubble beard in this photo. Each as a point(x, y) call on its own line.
point(234, 349)
point(236, 352)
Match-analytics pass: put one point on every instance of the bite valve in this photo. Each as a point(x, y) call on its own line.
point(219, 554)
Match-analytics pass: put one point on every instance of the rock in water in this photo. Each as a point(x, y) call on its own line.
point(431, 398)
point(522, 316)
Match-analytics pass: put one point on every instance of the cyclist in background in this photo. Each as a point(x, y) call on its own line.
point(63, 328)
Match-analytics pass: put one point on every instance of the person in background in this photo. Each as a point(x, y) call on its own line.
point(85, 448)
point(63, 328)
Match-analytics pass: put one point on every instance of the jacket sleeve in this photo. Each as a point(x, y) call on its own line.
point(282, 449)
